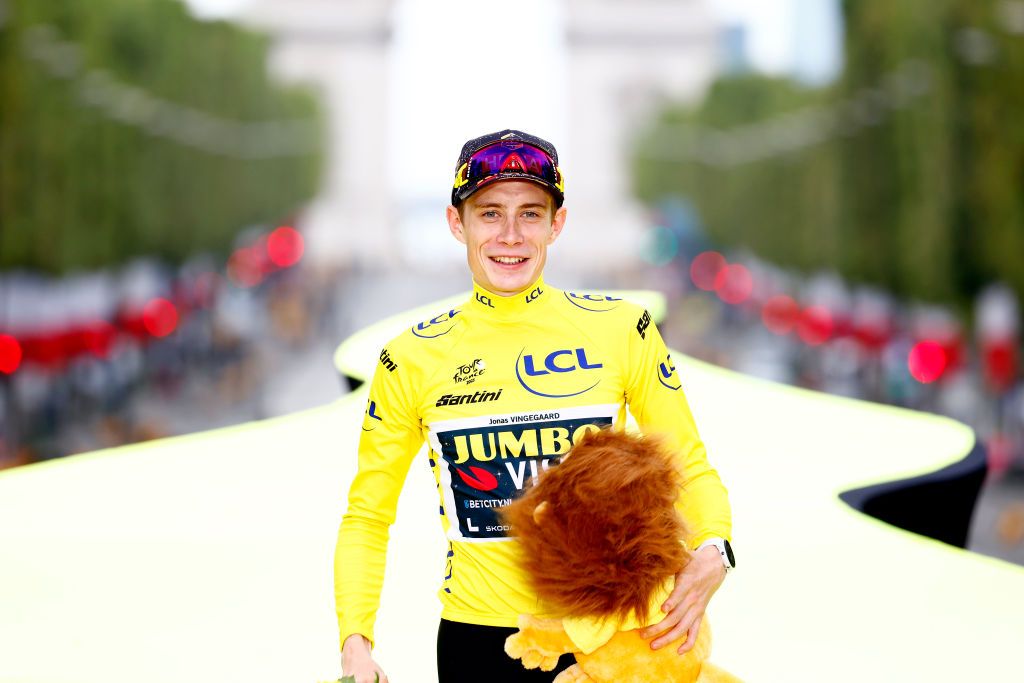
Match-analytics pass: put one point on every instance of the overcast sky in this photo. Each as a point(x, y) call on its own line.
point(772, 26)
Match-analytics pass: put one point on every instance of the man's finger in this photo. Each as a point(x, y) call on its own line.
point(683, 625)
point(676, 595)
point(669, 637)
point(692, 638)
point(682, 621)
point(665, 624)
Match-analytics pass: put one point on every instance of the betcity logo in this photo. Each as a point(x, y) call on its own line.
point(555, 363)
point(435, 327)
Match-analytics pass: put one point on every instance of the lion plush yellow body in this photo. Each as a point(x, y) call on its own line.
point(600, 540)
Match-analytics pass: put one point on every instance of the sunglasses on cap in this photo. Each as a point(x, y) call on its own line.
point(508, 160)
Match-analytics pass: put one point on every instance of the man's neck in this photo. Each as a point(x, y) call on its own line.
point(488, 302)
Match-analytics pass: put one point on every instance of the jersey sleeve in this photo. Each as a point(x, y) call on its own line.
point(391, 436)
point(656, 399)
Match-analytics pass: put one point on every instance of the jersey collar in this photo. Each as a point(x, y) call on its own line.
point(489, 303)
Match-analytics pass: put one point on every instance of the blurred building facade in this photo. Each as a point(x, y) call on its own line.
point(341, 47)
point(625, 59)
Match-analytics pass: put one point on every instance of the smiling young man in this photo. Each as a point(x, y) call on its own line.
point(500, 388)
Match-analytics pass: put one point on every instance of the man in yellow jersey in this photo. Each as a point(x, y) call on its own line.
point(500, 388)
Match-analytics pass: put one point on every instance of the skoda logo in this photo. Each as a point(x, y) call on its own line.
point(558, 374)
point(597, 303)
point(435, 327)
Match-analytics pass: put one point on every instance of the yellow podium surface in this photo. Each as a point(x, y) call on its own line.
point(209, 557)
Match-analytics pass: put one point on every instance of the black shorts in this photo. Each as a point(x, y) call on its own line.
point(470, 653)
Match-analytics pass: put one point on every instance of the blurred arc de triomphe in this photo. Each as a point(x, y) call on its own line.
point(622, 59)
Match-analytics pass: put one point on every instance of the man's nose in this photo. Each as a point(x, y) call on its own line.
point(510, 232)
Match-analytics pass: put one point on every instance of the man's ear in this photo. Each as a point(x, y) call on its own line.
point(455, 223)
point(557, 224)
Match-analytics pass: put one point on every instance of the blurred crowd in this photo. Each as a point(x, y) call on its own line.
point(821, 332)
point(99, 359)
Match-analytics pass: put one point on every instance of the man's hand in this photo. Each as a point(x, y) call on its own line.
point(357, 662)
point(685, 607)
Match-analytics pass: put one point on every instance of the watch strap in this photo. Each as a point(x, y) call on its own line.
point(724, 549)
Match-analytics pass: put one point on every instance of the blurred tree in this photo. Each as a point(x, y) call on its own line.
point(783, 209)
point(128, 127)
point(906, 173)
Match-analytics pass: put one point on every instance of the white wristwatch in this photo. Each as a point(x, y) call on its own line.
point(724, 549)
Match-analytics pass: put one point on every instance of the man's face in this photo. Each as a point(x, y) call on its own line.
point(507, 228)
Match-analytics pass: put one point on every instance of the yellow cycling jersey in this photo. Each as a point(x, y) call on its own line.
point(500, 389)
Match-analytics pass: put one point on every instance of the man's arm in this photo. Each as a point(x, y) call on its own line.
point(656, 399)
point(391, 436)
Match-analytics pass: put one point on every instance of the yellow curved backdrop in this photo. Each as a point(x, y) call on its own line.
point(209, 557)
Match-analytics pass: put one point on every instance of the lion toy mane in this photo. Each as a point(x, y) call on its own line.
point(600, 542)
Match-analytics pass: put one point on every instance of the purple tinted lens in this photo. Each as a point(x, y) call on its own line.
point(500, 158)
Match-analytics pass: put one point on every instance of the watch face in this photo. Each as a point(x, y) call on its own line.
point(729, 555)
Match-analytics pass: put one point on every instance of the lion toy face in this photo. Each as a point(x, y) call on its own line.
point(601, 543)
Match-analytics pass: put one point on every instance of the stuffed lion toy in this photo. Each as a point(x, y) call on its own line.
point(600, 541)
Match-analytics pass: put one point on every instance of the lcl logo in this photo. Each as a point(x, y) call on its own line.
point(551, 366)
point(597, 303)
point(666, 372)
point(537, 291)
point(435, 327)
point(371, 413)
point(554, 364)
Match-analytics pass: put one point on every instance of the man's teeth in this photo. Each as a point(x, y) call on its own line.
point(510, 260)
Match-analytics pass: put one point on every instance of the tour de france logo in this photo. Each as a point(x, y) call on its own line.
point(468, 373)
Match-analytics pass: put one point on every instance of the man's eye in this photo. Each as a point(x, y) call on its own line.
point(531, 214)
point(490, 214)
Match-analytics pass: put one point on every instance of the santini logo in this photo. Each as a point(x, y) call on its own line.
point(385, 360)
point(550, 372)
point(459, 399)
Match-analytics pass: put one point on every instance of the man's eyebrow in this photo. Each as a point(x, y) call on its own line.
point(499, 205)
